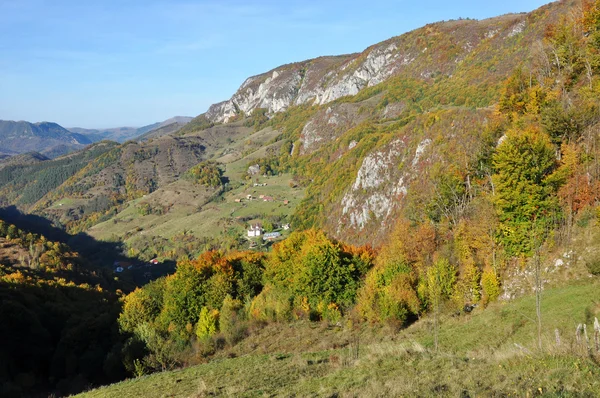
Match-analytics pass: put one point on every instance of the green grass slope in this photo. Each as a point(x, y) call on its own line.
point(489, 353)
point(208, 213)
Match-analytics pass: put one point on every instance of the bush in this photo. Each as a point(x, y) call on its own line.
point(490, 284)
point(330, 313)
point(206, 173)
point(389, 294)
point(592, 263)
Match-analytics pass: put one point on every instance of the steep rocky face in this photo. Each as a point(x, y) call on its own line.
point(278, 89)
point(328, 124)
point(436, 50)
point(398, 175)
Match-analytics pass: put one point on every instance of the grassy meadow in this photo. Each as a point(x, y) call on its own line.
point(486, 353)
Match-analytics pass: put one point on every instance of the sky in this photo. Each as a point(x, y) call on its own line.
point(109, 63)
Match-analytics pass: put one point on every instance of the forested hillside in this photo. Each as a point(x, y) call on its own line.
point(57, 318)
point(25, 179)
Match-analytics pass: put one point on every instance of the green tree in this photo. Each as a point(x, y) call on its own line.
point(524, 163)
point(206, 173)
point(208, 323)
point(441, 278)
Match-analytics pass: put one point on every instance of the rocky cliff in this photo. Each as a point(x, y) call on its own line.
point(432, 51)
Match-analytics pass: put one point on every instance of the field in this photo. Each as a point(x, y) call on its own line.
point(488, 353)
point(207, 213)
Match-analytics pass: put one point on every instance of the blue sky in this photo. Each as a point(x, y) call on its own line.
point(99, 64)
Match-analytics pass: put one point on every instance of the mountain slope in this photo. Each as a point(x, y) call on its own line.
point(373, 132)
point(125, 172)
point(370, 133)
point(440, 50)
point(45, 137)
point(26, 178)
point(475, 172)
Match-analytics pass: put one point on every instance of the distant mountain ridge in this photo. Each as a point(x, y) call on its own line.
point(122, 134)
point(47, 138)
point(52, 140)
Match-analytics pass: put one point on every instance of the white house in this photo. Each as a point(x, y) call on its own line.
point(255, 230)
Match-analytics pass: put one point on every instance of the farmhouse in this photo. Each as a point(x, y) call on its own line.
point(255, 230)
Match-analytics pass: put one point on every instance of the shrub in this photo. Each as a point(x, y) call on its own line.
point(592, 263)
point(389, 294)
point(491, 285)
point(206, 173)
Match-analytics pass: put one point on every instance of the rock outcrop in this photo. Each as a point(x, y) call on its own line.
point(421, 54)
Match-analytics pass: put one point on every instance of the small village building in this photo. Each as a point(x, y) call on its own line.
point(255, 230)
point(154, 261)
point(286, 226)
point(271, 235)
point(254, 169)
point(267, 198)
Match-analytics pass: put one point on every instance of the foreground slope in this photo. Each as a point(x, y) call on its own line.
point(489, 353)
point(56, 319)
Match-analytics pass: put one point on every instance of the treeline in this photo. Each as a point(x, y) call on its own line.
point(214, 300)
point(210, 301)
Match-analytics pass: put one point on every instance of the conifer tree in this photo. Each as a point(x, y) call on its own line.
point(524, 162)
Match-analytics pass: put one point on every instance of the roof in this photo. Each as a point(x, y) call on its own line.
point(272, 234)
